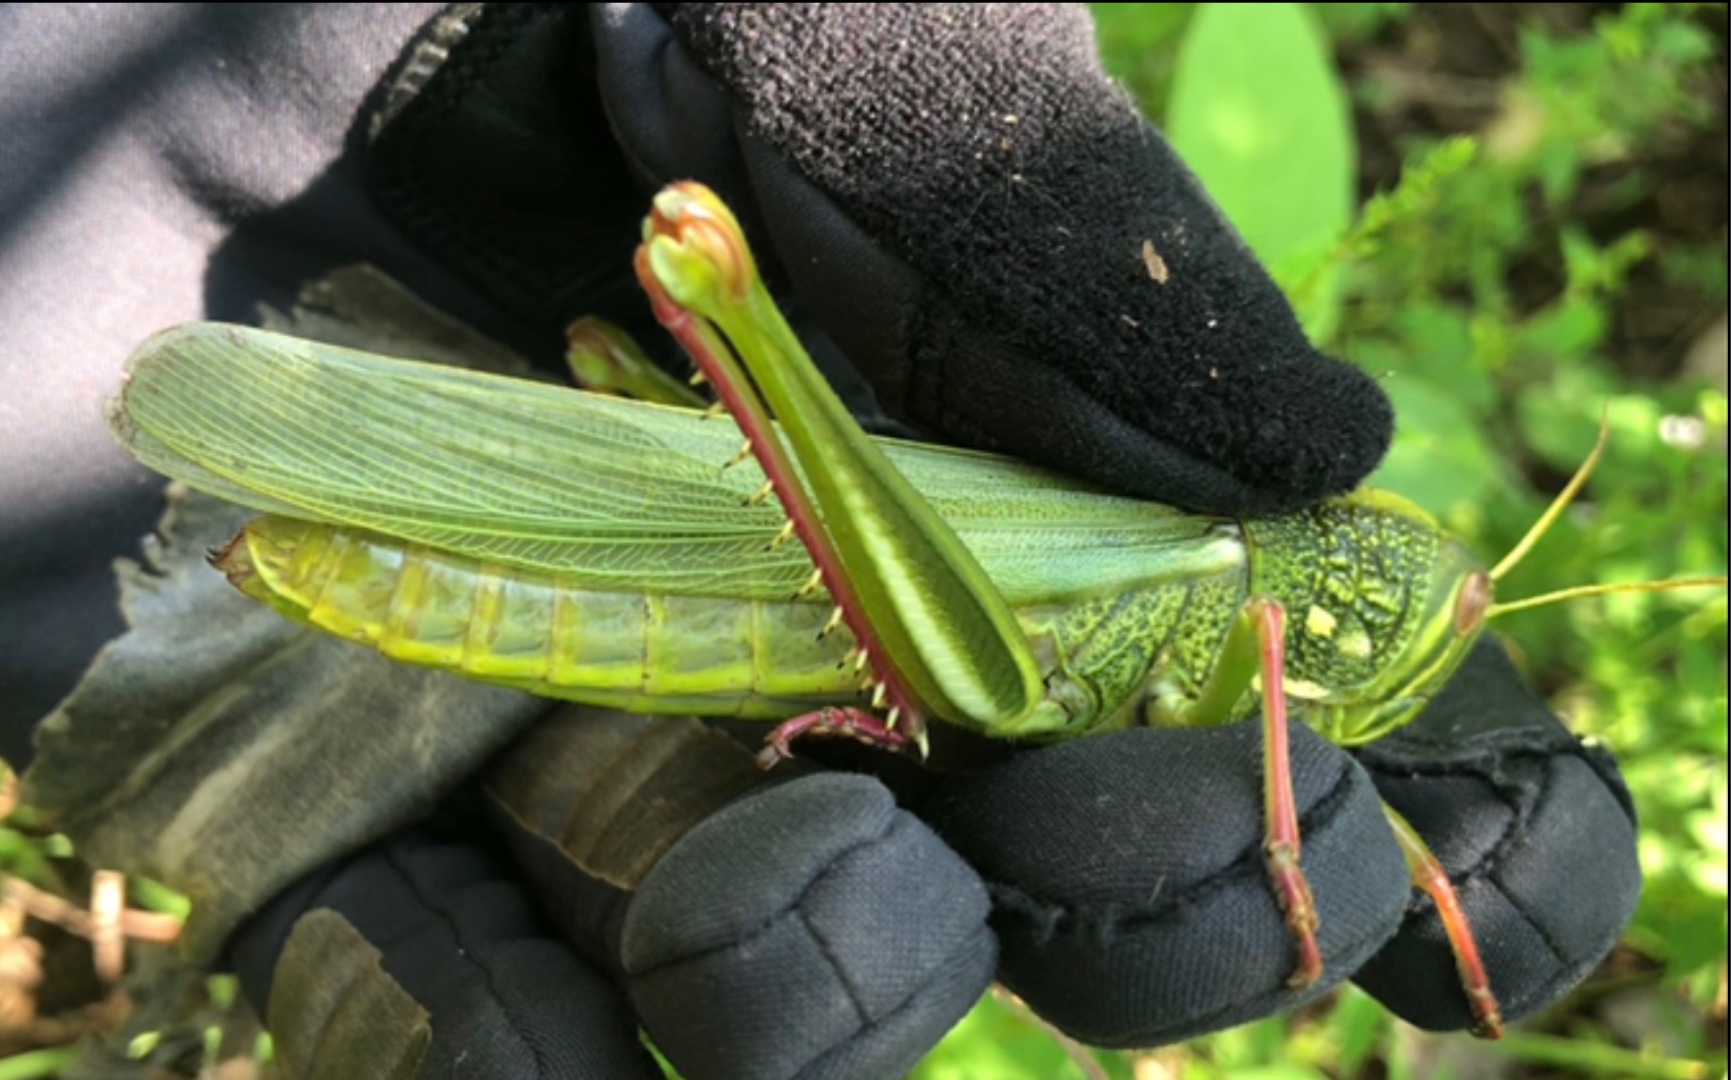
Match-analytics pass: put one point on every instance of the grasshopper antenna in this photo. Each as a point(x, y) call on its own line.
point(1549, 518)
point(1559, 504)
point(1579, 591)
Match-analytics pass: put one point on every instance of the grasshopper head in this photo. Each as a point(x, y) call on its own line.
point(1433, 624)
point(1383, 607)
point(1441, 630)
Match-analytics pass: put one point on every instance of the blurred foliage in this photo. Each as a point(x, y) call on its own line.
point(1255, 95)
point(1539, 240)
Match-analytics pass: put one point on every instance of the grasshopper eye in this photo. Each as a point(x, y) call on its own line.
point(1472, 603)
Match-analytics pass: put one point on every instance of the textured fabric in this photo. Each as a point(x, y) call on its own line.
point(1128, 885)
point(339, 1015)
point(501, 167)
point(841, 912)
point(503, 996)
point(976, 161)
point(184, 751)
point(956, 257)
point(1536, 829)
point(139, 140)
point(986, 273)
point(809, 930)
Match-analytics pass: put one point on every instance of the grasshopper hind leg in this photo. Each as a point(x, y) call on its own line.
point(836, 721)
point(1429, 875)
point(1264, 623)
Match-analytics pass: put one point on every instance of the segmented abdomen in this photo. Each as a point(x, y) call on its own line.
point(710, 655)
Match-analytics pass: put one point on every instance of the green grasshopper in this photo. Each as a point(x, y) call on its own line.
point(595, 549)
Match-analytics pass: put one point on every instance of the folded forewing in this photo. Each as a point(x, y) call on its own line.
point(612, 493)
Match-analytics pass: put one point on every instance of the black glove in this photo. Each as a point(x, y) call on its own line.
point(958, 199)
point(961, 211)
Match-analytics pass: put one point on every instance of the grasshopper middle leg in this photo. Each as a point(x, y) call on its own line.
point(1256, 643)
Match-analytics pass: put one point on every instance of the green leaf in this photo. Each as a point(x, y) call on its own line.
point(1138, 45)
point(1259, 112)
point(1439, 458)
point(997, 1042)
point(1359, 1022)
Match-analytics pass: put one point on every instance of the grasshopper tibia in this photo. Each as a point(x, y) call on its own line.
point(703, 286)
point(1281, 838)
point(1429, 875)
point(1257, 642)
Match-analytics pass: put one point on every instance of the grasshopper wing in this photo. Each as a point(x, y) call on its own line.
point(614, 493)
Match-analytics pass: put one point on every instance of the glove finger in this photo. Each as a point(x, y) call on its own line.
point(494, 157)
point(1537, 831)
point(767, 926)
point(422, 957)
point(978, 218)
point(1128, 884)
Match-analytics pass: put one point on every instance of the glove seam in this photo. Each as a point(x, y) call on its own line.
point(774, 919)
point(437, 909)
point(869, 1026)
point(823, 947)
point(1483, 869)
point(1566, 962)
point(1475, 768)
point(1322, 812)
point(1486, 870)
point(1495, 747)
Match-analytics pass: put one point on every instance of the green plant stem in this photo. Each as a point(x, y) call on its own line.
point(1600, 1059)
point(36, 1063)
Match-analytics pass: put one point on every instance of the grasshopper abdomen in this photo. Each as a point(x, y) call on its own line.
point(537, 632)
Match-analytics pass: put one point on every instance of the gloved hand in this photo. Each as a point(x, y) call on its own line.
point(957, 202)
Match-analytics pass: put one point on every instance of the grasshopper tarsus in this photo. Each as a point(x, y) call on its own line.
point(1292, 891)
point(773, 754)
point(833, 721)
point(1488, 1015)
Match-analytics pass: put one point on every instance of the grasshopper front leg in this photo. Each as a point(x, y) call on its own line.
point(936, 635)
point(1281, 840)
point(1429, 875)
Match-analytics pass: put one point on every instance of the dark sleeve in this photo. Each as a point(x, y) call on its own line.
point(162, 164)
